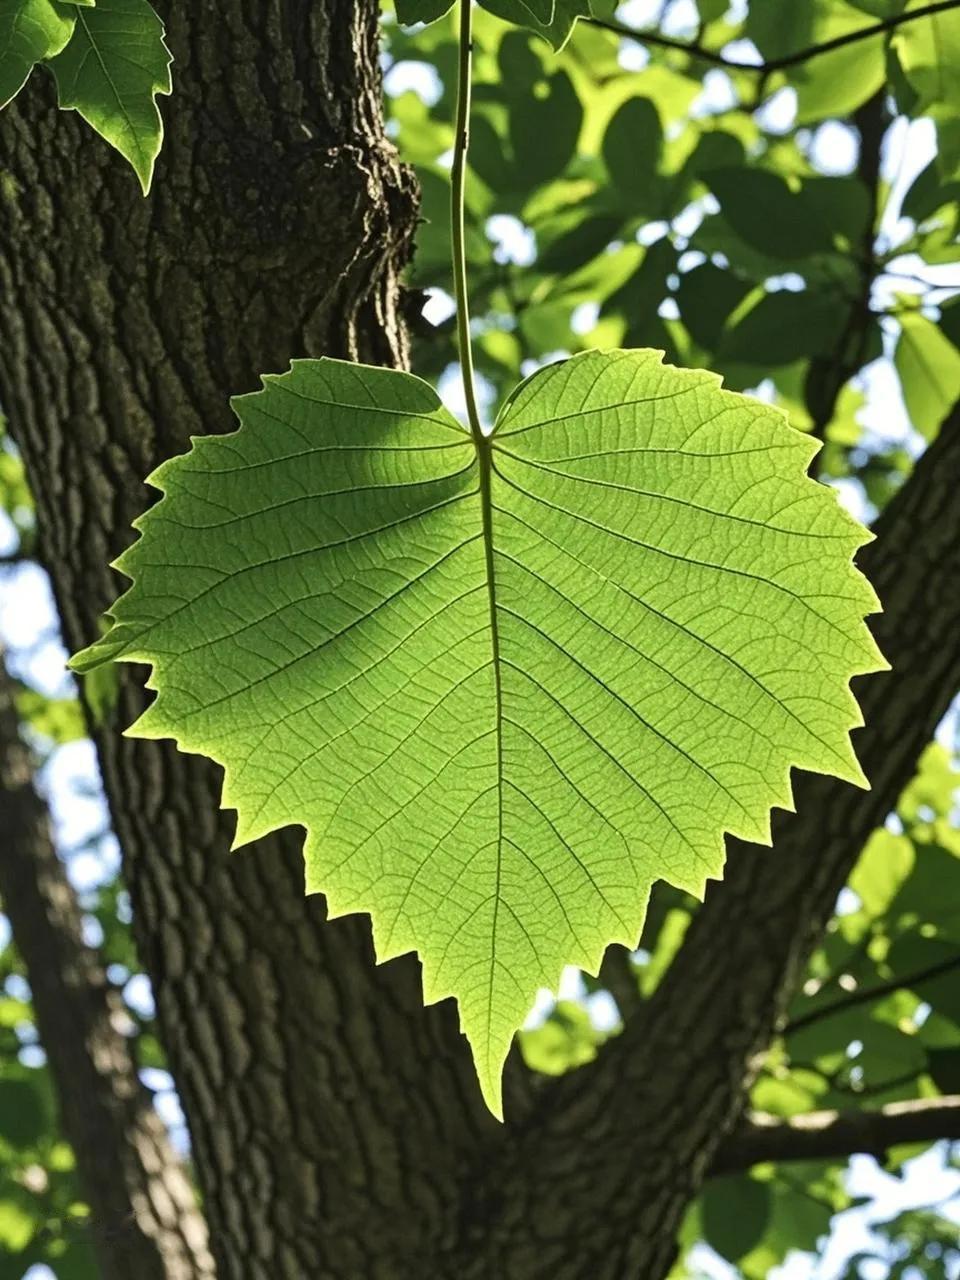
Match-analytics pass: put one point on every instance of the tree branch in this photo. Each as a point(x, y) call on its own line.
point(869, 994)
point(144, 1216)
point(699, 51)
point(832, 1135)
point(827, 375)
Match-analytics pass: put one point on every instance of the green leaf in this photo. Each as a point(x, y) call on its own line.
point(706, 296)
point(111, 72)
point(785, 326)
point(30, 31)
point(631, 151)
point(567, 1039)
point(59, 719)
point(507, 688)
point(410, 12)
point(882, 869)
point(929, 53)
point(554, 25)
point(836, 83)
point(23, 1114)
point(767, 214)
point(544, 131)
point(929, 367)
point(523, 13)
point(734, 1212)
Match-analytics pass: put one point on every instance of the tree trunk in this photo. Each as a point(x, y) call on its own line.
point(145, 1223)
point(337, 1127)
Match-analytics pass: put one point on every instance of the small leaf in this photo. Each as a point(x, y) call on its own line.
point(929, 367)
point(24, 1116)
point(30, 31)
point(410, 12)
point(504, 688)
point(544, 131)
point(734, 1213)
point(631, 152)
point(767, 214)
point(706, 296)
point(554, 26)
point(520, 12)
point(111, 72)
point(785, 326)
point(929, 53)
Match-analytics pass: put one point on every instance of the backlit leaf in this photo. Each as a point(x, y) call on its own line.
point(504, 689)
point(929, 367)
point(111, 72)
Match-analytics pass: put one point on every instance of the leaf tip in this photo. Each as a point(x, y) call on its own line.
point(490, 1078)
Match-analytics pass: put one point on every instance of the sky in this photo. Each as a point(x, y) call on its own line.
point(28, 626)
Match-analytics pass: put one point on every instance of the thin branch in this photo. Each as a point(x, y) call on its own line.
point(869, 994)
point(827, 376)
point(695, 50)
point(831, 1135)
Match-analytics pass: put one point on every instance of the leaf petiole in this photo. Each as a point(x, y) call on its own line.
point(461, 148)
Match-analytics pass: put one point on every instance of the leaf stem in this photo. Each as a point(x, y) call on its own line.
point(461, 148)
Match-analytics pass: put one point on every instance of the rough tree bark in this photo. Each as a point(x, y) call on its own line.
point(142, 1208)
point(337, 1127)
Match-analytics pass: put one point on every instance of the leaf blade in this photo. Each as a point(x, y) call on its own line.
point(504, 688)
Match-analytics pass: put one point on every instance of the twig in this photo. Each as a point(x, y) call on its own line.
point(696, 50)
point(869, 994)
point(828, 1135)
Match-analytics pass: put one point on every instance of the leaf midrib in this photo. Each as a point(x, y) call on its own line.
point(484, 451)
point(131, 128)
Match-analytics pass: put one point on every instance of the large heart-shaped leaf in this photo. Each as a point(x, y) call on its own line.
point(504, 687)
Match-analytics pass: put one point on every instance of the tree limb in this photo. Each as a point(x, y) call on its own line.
point(144, 1217)
point(827, 375)
point(703, 54)
point(832, 1135)
point(868, 994)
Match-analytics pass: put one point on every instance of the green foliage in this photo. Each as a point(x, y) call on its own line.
point(42, 1219)
point(506, 687)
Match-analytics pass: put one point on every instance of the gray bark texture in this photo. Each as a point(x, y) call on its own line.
point(337, 1128)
